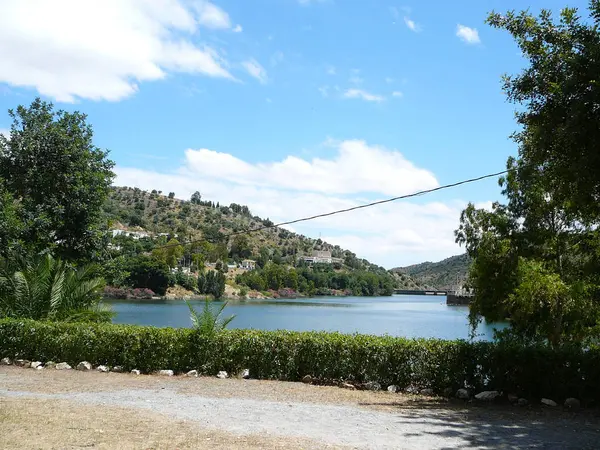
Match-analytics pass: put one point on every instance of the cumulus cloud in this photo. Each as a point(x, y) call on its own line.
point(468, 35)
point(71, 49)
point(392, 234)
point(363, 95)
point(255, 70)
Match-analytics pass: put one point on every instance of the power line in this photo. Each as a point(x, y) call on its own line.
point(353, 208)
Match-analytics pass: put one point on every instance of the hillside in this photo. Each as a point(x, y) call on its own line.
point(445, 274)
point(208, 223)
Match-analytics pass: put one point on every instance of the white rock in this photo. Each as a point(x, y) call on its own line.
point(39, 368)
point(117, 369)
point(165, 373)
point(103, 369)
point(393, 388)
point(222, 374)
point(487, 396)
point(548, 402)
point(5, 362)
point(36, 364)
point(192, 373)
point(348, 386)
point(463, 394)
point(135, 372)
point(84, 366)
point(373, 386)
point(63, 366)
point(23, 363)
point(50, 365)
point(245, 374)
point(428, 392)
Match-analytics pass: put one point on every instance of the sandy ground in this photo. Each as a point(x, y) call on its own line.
point(52, 409)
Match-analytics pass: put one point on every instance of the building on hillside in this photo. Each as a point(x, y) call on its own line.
point(320, 257)
point(248, 264)
point(133, 234)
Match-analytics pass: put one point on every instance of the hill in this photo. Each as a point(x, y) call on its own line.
point(445, 274)
point(154, 219)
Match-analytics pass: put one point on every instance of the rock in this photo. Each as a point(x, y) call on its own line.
point(165, 373)
point(348, 386)
point(103, 369)
point(84, 366)
point(5, 362)
point(222, 374)
point(307, 379)
point(512, 398)
point(117, 369)
point(487, 396)
point(192, 373)
point(63, 366)
point(36, 364)
point(393, 388)
point(411, 390)
point(245, 374)
point(572, 403)
point(39, 368)
point(50, 365)
point(23, 363)
point(463, 394)
point(548, 402)
point(522, 402)
point(428, 392)
point(135, 372)
point(373, 386)
point(448, 392)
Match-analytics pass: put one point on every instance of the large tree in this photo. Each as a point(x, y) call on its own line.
point(536, 257)
point(51, 168)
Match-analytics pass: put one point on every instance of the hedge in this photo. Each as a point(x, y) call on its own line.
point(533, 372)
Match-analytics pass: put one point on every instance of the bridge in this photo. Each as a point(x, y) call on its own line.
point(425, 292)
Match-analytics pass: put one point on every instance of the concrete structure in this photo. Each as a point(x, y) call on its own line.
point(248, 264)
point(320, 256)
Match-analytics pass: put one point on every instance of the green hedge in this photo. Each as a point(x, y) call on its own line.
point(527, 371)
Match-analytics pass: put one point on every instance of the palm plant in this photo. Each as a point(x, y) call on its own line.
point(48, 288)
point(209, 321)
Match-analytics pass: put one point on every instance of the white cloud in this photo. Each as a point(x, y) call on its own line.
point(331, 70)
point(392, 234)
point(254, 68)
point(412, 25)
point(70, 49)
point(468, 35)
point(363, 95)
point(211, 16)
point(397, 94)
point(238, 29)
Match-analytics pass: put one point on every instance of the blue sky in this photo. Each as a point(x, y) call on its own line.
point(293, 107)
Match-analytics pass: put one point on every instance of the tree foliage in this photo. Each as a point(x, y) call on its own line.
point(536, 257)
point(58, 180)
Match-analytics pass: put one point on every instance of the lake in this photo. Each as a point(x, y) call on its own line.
point(398, 315)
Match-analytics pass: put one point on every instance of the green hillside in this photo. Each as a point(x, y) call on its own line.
point(445, 274)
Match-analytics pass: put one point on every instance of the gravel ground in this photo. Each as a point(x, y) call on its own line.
point(304, 416)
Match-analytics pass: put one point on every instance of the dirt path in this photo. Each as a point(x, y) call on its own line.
point(69, 409)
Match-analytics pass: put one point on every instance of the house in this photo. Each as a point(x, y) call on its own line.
point(319, 256)
point(248, 264)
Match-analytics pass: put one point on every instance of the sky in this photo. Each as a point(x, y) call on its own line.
point(292, 107)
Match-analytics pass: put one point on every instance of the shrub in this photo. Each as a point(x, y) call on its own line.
point(529, 371)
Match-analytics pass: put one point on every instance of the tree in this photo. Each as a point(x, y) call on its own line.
point(171, 195)
point(240, 247)
point(209, 321)
point(535, 258)
point(148, 272)
point(170, 254)
point(213, 283)
point(196, 198)
point(559, 92)
point(51, 167)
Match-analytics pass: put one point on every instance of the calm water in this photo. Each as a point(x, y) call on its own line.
point(399, 315)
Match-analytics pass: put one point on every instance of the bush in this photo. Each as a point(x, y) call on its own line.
point(529, 371)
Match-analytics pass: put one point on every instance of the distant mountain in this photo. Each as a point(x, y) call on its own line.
point(444, 274)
